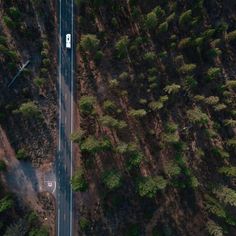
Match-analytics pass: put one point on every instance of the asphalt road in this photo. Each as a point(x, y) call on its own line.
point(63, 166)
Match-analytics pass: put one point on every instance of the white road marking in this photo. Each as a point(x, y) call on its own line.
point(66, 97)
point(59, 144)
point(72, 112)
point(65, 120)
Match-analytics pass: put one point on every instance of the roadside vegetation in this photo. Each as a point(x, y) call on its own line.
point(157, 113)
point(27, 108)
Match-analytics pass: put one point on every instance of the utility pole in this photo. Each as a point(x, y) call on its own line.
point(18, 73)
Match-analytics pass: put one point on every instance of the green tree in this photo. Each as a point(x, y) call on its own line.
point(214, 229)
point(78, 181)
point(228, 171)
point(213, 73)
point(185, 18)
point(148, 186)
point(226, 195)
point(163, 27)
point(112, 179)
point(6, 203)
point(121, 46)
point(89, 42)
point(187, 68)
point(111, 122)
point(21, 154)
point(29, 110)
point(172, 88)
point(151, 21)
point(78, 136)
point(196, 116)
point(93, 145)
point(231, 36)
point(139, 113)
point(84, 223)
point(86, 104)
point(172, 169)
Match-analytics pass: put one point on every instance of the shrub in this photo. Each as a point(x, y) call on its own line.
point(21, 154)
point(151, 21)
point(163, 27)
point(137, 113)
point(78, 181)
point(214, 229)
point(172, 169)
point(185, 18)
point(29, 110)
point(84, 223)
point(228, 171)
point(121, 46)
point(109, 106)
point(112, 179)
point(213, 73)
point(148, 186)
point(39, 82)
point(9, 22)
point(89, 42)
point(226, 195)
point(184, 43)
point(196, 116)
point(86, 104)
point(173, 88)
point(231, 36)
point(187, 68)
point(93, 145)
point(150, 56)
point(111, 122)
point(14, 13)
point(6, 203)
point(212, 100)
point(77, 137)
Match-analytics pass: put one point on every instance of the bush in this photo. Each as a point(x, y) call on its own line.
point(9, 22)
point(163, 27)
point(111, 122)
point(78, 181)
point(77, 137)
point(231, 36)
point(29, 110)
point(187, 68)
point(173, 88)
point(196, 116)
point(86, 104)
point(121, 46)
point(112, 179)
point(109, 106)
point(84, 223)
point(6, 203)
point(151, 21)
point(39, 82)
point(137, 113)
point(93, 145)
point(89, 42)
point(213, 73)
point(185, 18)
point(150, 56)
point(214, 229)
point(148, 186)
point(21, 154)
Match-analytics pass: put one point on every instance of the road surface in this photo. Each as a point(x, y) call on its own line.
point(63, 166)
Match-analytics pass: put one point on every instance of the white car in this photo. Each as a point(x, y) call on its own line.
point(68, 41)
